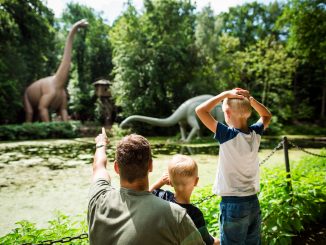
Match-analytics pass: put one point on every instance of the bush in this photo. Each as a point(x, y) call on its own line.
point(62, 226)
point(40, 130)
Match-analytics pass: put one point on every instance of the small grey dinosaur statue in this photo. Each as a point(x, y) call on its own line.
point(185, 114)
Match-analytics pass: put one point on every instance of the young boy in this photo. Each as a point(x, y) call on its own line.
point(237, 179)
point(183, 176)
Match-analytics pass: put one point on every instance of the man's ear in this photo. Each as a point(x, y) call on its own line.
point(116, 167)
point(150, 165)
point(196, 181)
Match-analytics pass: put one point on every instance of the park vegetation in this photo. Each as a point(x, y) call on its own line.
point(169, 52)
point(285, 213)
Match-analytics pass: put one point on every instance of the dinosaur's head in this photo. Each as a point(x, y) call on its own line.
point(81, 23)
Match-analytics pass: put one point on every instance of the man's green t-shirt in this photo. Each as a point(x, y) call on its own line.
point(127, 217)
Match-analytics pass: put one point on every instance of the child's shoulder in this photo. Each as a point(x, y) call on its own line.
point(258, 127)
point(225, 133)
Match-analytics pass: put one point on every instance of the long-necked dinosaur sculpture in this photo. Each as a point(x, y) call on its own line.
point(185, 114)
point(49, 92)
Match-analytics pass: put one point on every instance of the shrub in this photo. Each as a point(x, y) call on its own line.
point(62, 226)
point(40, 130)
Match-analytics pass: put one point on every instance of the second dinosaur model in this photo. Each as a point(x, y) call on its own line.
point(185, 114)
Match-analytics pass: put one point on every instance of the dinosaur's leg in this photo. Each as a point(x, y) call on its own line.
point(28, 109)
point(195, 127)
point(182, 131)
point(43, 107)
point(63, 109)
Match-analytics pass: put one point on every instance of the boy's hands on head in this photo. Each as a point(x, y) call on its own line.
point(233, 94)
point(242, 92)
point(165, 179)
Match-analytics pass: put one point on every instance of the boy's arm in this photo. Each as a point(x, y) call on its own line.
point(164, 180)
point(264, 113)
point(100, 160)
point(204, 109)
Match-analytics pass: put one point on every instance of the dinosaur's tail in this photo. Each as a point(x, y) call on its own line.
point(162, 122)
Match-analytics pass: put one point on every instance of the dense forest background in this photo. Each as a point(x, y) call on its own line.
point(158, 58)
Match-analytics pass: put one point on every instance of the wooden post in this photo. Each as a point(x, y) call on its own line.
point(287, 163)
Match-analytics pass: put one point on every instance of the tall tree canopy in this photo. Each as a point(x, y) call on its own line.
point(251, 22)
point(306, 20)
point(155, 57)
point(92, 58)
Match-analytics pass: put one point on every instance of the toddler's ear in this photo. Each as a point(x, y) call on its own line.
point(196, 181)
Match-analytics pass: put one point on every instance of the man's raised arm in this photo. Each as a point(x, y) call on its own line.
point(100, 159)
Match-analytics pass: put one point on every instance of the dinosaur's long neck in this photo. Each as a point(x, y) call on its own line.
point(62, 73)
point(162, 122)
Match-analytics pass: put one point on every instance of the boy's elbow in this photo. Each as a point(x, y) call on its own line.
point(198, 110)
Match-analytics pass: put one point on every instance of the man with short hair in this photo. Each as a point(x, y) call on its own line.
point(131, 214)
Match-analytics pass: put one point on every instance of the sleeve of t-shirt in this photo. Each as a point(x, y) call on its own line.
point(98, 187)
point(258, 127)
point(189, 235)
point(223, 133)
point(201, 224)
point(165, 195)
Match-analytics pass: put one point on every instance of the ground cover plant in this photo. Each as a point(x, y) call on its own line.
point(284, 213)
point(40, 130)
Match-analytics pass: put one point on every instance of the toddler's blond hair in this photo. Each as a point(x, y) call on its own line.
point(182, 166)
point(241, 108)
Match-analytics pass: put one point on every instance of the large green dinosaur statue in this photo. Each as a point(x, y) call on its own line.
point(185, 114)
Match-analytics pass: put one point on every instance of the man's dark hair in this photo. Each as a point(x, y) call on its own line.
point(133, 155)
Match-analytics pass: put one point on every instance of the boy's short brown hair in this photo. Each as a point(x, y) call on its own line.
point(182, 166)
point(241, 107)
point(133, 155)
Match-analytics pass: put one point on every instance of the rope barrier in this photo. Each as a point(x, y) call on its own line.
point(85, 235)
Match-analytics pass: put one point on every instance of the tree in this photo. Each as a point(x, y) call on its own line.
point(155, 58)
point(251, 22)
point(26, 52)
point(92, 59)
point(265, 69)
point(306, 21)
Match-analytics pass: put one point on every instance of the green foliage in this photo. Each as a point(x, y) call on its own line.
point(310, 129)
point(91, 56)
point(252, 22)
point(306, 22)
point(118, 132)
point(62, 226)
point(286, 214)
point(40, 130)
point(154, 58)
point(26, 52)
point(265, 69)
